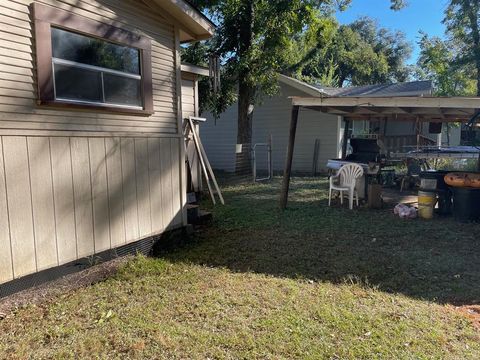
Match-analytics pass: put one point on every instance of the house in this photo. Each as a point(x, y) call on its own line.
point(272, 118)
point(92, 152)
point(190, 108)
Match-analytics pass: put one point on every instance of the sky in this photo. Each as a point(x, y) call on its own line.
point(425, 15)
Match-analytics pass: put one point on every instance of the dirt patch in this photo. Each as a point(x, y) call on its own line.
point(472, 312)
point(52, 289)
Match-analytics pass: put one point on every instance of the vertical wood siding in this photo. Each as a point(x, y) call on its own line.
point(65, 198)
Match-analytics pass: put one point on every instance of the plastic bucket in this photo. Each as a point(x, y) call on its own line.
point(426, 204)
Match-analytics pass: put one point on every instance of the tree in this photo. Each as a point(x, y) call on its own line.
point(437, 63)
point(362, 54)
point(462, 21)
point(253, 39)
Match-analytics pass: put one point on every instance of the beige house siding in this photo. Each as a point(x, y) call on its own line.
point(272, 117)
point(18, 110)
point(75, 183)
point(190, 105)
point(66, 198)
point(189, 96)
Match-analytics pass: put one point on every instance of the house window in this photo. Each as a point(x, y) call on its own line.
point(89, 70)
point(87, 64)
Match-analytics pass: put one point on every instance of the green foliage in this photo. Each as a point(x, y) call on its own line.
point(363, 54)
point(462, 21)
point(257, 39)
point(437, 63)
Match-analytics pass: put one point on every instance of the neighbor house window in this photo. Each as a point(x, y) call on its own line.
point(83, 63)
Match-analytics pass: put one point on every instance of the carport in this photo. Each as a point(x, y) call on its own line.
point(413, 109)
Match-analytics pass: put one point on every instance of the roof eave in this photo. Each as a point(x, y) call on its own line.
point(195, 25)
point(194, 69)
point(302, 86)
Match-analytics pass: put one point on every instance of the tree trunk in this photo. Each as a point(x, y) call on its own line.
point(246, 91)
point(243, 164)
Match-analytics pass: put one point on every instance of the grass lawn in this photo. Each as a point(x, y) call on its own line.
point(313, 282)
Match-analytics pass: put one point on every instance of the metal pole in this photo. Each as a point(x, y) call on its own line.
point(288, 161)
point(270, 158)
point(254, 163)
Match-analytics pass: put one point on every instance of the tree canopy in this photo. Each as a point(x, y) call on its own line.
point(360, 53)
point(437, 62)
point(254, 41)
point(462, 22)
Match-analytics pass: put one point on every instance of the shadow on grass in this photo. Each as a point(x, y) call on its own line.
point(436, 260)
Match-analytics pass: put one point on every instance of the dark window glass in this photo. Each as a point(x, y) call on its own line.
point(122, 90)
point(92, 70)
point(78, 84)
point(70, 46)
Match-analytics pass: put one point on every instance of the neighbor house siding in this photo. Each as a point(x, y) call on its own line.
point(219, 138)
point(272, 117)
point(75, 183)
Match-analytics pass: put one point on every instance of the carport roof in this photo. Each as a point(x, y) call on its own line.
point(434, 109)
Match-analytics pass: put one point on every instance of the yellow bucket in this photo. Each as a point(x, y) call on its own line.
point(426, 204)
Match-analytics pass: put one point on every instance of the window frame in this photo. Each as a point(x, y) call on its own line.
point(46, 17)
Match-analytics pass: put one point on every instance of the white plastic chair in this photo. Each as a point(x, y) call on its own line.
point(346, 180)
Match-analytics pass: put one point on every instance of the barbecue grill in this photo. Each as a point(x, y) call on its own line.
point(368, 154)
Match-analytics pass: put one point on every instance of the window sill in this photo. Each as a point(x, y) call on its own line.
point(102, 108)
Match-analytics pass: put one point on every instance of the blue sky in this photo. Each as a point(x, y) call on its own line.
point(419, 15)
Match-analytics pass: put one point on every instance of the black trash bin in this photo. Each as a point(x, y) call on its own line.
point(466, 204)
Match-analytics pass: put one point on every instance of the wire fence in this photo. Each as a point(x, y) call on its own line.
point(242, 163)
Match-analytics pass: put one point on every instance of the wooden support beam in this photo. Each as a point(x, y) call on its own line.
point(288, 161)
point(345, 139)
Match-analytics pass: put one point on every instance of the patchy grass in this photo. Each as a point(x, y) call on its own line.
point(311, 282)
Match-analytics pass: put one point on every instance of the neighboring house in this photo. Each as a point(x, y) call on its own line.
point(92, 152)
point(272, 118)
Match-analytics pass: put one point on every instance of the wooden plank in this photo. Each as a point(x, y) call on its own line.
point(63, 199)
point(42, 202)
point(204, 158)
point(143, 187)
point(155, 173)
point(6, 268)
point(98, 170)
point(167, 192)
point(129, 189)
point(390, 102)
point(115, 191)
point(83, 196)
point(19, 205)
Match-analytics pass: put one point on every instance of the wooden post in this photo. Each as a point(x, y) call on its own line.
point(417, 132)
point(288, 162)
point(345, 139)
